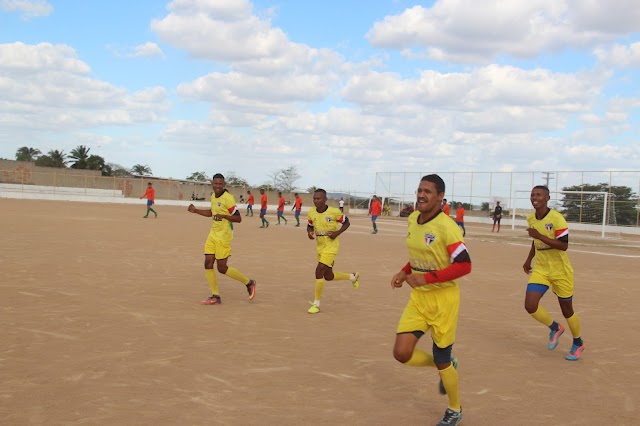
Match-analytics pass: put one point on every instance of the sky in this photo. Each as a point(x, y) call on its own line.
point(338, 89)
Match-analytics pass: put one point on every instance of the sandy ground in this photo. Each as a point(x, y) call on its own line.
point(102, 325)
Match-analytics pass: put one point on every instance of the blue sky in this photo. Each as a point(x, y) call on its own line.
point(340, 90)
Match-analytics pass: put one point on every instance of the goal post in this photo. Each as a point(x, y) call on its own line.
point(592, 210)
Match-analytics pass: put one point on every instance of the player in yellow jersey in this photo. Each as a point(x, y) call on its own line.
point(223, 211)
point(437, 258)
point(550, 234)
point(322, 224)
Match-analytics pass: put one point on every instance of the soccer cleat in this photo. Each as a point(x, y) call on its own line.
point(314, 309)
point(261, 226)
point(374, 232)
point(441, 388)
point(355, 282)
point(554, 337)
point(575, 353)
point(251, 289)
point(267, 225)
point(212, 300)
point(451, 417)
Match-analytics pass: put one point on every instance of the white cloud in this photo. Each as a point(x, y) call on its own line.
point(146, 50)
point(619, 55)
point(29, 8)
point(469, 31)
point(46, 86)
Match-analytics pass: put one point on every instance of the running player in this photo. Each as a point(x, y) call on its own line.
point(497, 215)
point(550, 234)
point(297, 206)
point(250, 202)
point(281, 208)
point(374, 210)
point(263, 209)
point(322, 225)
point(218, 246)
point(460, 218)
point(150, 194)
point(437, 258)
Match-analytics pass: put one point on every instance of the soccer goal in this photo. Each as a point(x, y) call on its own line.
point(590, 211)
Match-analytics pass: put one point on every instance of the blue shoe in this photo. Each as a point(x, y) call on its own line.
point(554, 337)
point(575, 353)
point(443, 391)
point(451, 417)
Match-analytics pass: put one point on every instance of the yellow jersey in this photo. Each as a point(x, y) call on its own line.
point(433, 246)
point(225, 204)
point(550, 261)
point(323, 223)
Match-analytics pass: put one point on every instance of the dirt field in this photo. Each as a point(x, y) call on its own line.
point(101, 325)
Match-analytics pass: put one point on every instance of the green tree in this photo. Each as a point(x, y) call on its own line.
point(312, 189)
point(114, 169)
point(485, 206)
point(589, 207)
point(79, 155)
point(141, 170)
point(284, 179)
point(96, 162)
point(27, 154)
point(199, 177)
point(54, 158)
point(232, 179)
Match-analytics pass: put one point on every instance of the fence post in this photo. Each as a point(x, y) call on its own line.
point(54, 183)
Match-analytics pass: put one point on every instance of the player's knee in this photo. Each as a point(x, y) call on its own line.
point(531, 306)
point(402, 355)
point(442, 355)
point(222, 268)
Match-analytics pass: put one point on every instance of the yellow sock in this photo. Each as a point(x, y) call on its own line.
point(212, 280)
point(449, 378)
point(420, 358)
point(574, 325)
point(341, 276)
point(541, 315)
point(319, 288)
point(236, 275)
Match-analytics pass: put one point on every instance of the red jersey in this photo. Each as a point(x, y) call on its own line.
point(251, 200)
point(446, 209)
point(281, 204)
point(298, 204)
point(263, 201)
point(150, 194)
point(460, 214)
point(376, 208)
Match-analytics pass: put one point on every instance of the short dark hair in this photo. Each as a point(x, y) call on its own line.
point(436, 180)
point(296, 194)
point(543, 187)
point(218, 176)
point(321, 190)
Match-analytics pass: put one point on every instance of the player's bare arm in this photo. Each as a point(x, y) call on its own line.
point(236, 217)
point(334, 234)
point(527, 263)
point(553, 243)
point(398, 279)
point(201, 212)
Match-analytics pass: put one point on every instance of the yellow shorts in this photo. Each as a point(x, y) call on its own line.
point(561, 284)
point(220, 249)
point(434, 309)
point(327, 258)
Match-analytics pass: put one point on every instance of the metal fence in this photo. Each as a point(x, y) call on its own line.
point(481, 190)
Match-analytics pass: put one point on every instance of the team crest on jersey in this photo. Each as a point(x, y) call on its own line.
point(429, 238)
point(219, 204)
point(548, 226)
point(328, 219)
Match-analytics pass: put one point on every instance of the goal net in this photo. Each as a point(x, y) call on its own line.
point(585, 210)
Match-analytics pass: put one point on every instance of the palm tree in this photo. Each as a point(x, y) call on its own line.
point(199, 177)
point(59, 158)
point(141, 170)
point(27, 154)
point(80, 155)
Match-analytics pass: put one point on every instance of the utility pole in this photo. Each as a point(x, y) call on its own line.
point(547, 177)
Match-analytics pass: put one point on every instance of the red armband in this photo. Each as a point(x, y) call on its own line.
point(407, 268)
point(451, 272)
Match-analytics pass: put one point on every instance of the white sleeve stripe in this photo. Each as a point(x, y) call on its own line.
point(457, 251)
